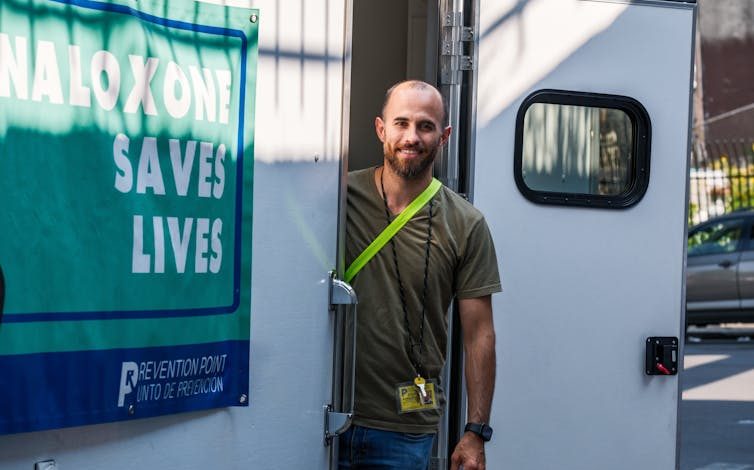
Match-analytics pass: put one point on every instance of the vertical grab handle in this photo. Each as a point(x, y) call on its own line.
point(339, 412)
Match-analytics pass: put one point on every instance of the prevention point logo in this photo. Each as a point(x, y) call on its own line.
point(128, 380)
point(171, 379)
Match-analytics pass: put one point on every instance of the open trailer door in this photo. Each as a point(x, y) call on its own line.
point(582, 138)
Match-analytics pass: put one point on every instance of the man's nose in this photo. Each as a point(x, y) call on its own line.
point(411, 136)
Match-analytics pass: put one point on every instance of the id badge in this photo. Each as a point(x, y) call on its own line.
point(409, 399)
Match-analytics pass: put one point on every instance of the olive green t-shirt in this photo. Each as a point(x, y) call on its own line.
point(462, 264)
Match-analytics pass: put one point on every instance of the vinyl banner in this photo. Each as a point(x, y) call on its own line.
point(126, 159)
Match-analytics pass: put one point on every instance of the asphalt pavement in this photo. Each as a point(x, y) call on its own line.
point(717, 411)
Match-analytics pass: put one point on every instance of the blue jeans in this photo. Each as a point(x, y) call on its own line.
point(367, 448)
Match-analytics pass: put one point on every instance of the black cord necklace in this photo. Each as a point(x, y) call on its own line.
point(416, 359)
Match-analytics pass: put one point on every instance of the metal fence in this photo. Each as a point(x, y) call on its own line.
point(721, 178)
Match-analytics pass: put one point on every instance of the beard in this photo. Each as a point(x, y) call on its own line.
point(410, 168)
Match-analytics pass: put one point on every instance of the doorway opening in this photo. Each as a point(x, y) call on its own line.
point(397, 40)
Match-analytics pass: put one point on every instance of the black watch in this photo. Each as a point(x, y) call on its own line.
point(481, 430)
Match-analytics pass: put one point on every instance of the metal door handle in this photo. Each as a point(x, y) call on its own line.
point(339, 412)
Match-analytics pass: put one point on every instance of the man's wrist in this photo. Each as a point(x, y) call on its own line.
point(475, 437)
point(481, 430)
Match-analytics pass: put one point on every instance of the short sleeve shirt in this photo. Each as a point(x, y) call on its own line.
point(462, 264)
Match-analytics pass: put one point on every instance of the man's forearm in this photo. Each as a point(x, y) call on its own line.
point(480, 375)
point(479, 349)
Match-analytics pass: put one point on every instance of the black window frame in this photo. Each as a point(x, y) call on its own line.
point(638, 171)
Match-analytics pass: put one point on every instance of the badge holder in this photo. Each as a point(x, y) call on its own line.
point(410, 399)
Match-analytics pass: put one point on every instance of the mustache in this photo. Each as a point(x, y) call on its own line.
point(417, 147)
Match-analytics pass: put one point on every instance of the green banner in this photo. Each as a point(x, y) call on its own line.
point(126, 160)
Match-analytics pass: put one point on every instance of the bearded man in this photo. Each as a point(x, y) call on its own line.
point(443, 252)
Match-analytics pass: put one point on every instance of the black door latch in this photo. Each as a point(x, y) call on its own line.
point(662, 355)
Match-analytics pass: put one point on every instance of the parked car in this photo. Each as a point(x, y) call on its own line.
point(720, 270)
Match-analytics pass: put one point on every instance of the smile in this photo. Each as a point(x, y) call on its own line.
point(409, 152)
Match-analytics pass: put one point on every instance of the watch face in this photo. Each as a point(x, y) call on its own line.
point(486, 433)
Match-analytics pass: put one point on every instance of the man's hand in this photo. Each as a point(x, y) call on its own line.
point(469, 452)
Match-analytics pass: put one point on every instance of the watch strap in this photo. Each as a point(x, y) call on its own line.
point(480, 429)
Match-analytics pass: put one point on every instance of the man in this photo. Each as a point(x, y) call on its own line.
point(404, 291)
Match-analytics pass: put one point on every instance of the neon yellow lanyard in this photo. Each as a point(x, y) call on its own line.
point(390, 231)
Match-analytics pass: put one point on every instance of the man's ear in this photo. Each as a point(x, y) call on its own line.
point(379, 127)
point(445, 135)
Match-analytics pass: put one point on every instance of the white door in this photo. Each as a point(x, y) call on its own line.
point(585, 283)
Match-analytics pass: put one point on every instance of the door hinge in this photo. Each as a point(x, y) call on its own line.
point(341, 293)
point(335, 423)
point(456, 54)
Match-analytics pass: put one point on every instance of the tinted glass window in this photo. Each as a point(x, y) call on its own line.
point(716, 238)
point(582, 149)
point(577, 149)
point(749, 244)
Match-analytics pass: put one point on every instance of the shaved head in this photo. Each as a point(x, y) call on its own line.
point(416, 85)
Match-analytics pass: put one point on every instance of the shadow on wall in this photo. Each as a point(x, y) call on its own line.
point(530, 57)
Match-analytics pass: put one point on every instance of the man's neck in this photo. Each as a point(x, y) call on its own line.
point(400, 191)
